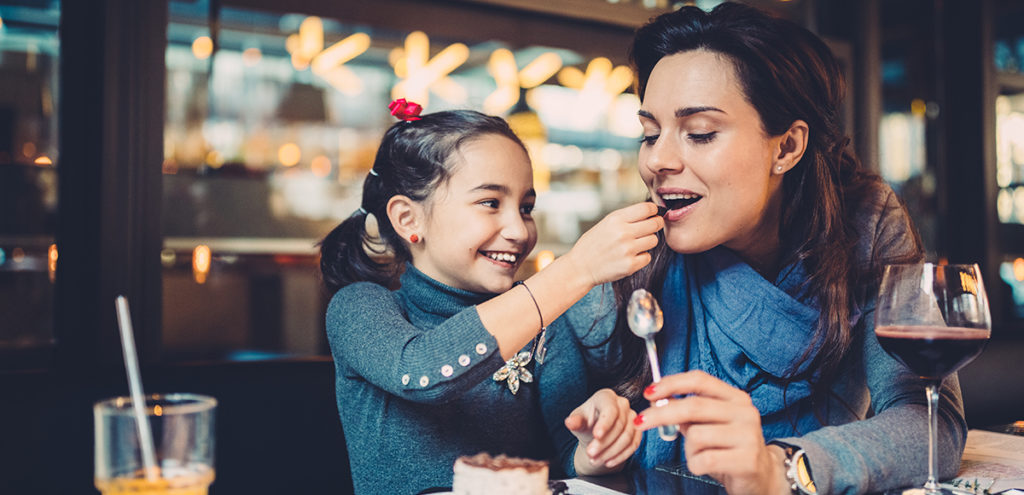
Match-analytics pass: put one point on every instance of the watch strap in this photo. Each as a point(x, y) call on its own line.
point(798, 469)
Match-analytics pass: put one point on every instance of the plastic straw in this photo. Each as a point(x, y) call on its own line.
point(131, 365)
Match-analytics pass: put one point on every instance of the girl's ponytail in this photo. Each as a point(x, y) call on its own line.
point(344, 260)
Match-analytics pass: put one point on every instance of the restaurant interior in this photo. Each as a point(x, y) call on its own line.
point(190, 154)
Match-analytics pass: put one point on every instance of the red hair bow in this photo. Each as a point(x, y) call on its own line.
point(405, 110)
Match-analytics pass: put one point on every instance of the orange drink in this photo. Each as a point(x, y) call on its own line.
point(189, 484)
point(168, 452)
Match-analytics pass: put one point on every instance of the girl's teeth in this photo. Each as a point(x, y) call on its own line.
point(506, 257)
point(679, 196)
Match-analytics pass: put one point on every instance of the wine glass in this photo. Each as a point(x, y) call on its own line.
point(934, 319)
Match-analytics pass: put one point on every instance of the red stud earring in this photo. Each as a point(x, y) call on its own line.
point(414, 238)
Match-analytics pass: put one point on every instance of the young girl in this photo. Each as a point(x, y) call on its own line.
point(775, 240)
point(454, 360)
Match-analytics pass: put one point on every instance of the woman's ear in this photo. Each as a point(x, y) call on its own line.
point(791, 147)
point(406, 216)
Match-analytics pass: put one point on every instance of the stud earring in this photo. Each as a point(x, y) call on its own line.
point(778, 169)
point(414, 238)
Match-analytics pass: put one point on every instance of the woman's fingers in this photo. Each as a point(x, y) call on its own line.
point(695, 383)
point(694, 410)
point(720, 436)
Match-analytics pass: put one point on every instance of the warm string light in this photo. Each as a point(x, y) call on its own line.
point(544, 258)
point(201, 258)
point(508, 79)
point(307, 50)
point(289, 154)
point(202, 47)
point(421, 74)
point(51, 265)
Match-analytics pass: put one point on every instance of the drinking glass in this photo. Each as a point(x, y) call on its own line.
point(934, 319)
point(181, 457)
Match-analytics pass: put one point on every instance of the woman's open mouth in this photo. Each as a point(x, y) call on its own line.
point(678, 201)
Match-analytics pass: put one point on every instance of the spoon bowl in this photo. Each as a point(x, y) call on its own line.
point(643, 315)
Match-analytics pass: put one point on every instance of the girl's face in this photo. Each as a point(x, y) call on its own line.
point(706, 156)
point(478, 225)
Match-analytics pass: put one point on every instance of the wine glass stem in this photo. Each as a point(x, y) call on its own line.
point(932, 392)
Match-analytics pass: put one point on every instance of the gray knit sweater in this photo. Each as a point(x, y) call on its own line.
point(415, 390)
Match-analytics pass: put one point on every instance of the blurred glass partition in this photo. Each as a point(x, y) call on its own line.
point(29, 47)
point(910, 150)
point(273, 120)
point(1008, 60)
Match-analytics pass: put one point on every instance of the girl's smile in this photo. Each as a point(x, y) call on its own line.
point(477, 227)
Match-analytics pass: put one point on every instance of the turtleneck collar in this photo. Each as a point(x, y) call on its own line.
point(430, 302)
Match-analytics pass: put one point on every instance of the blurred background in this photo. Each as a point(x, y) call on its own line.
point(191, 153)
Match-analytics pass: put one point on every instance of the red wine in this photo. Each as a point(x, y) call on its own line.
point(931, 351)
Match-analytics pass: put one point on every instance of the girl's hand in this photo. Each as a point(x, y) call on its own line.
point(606, 433)
point(617, 246)
point(722, 430)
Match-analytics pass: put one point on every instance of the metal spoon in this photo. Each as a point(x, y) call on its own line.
point(645, 319)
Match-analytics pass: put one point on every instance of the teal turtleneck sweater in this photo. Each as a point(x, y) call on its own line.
point(415, 390)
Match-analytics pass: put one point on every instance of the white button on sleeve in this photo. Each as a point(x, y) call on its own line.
point(481, 348)
point(424, 381)
point(464, 360)
point(447, 370)
point(405, 379)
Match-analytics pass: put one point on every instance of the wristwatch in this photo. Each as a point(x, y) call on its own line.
point(798, 470)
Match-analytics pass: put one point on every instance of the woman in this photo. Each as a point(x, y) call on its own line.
point(768, 270)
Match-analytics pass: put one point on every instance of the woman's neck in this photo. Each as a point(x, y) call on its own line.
point(762, 247)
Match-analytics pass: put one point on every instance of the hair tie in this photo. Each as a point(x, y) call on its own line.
point(363, 211)
point(405, 110)
point(374, 173)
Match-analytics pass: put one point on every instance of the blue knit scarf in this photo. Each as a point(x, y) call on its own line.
point(724, 318)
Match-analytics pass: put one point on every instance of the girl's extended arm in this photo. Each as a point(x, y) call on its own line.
point(614, 248)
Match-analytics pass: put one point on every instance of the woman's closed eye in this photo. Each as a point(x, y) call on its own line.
point(704, 138)
point(649, 140)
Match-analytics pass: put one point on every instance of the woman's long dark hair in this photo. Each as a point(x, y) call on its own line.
point(787, 74)
point(413, 159)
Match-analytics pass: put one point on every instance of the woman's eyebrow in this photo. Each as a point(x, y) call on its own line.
point(682, 112)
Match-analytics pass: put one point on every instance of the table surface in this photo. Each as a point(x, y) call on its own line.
point(669, 479)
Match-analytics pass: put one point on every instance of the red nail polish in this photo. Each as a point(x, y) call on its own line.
point(638, 420)
point(649, 390)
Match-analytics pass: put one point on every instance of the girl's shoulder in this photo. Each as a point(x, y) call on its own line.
point(361, 297)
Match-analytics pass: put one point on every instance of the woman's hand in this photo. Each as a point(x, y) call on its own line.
point(606, 433)
point(617, 246)
point(722, 429)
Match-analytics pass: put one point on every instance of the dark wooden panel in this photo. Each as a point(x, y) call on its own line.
point(277, 426)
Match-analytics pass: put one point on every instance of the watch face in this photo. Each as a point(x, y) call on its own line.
point(803, 473)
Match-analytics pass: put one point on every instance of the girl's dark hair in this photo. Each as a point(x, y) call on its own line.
point(413, 159)
point(787, 74)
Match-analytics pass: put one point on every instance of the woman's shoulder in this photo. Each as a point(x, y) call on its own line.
point(883, 228)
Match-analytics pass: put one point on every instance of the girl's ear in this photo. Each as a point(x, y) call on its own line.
point(791, 147)
point(406, 216)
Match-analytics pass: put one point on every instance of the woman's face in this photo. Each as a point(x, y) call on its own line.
point(706, 157)
point(479, 227)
